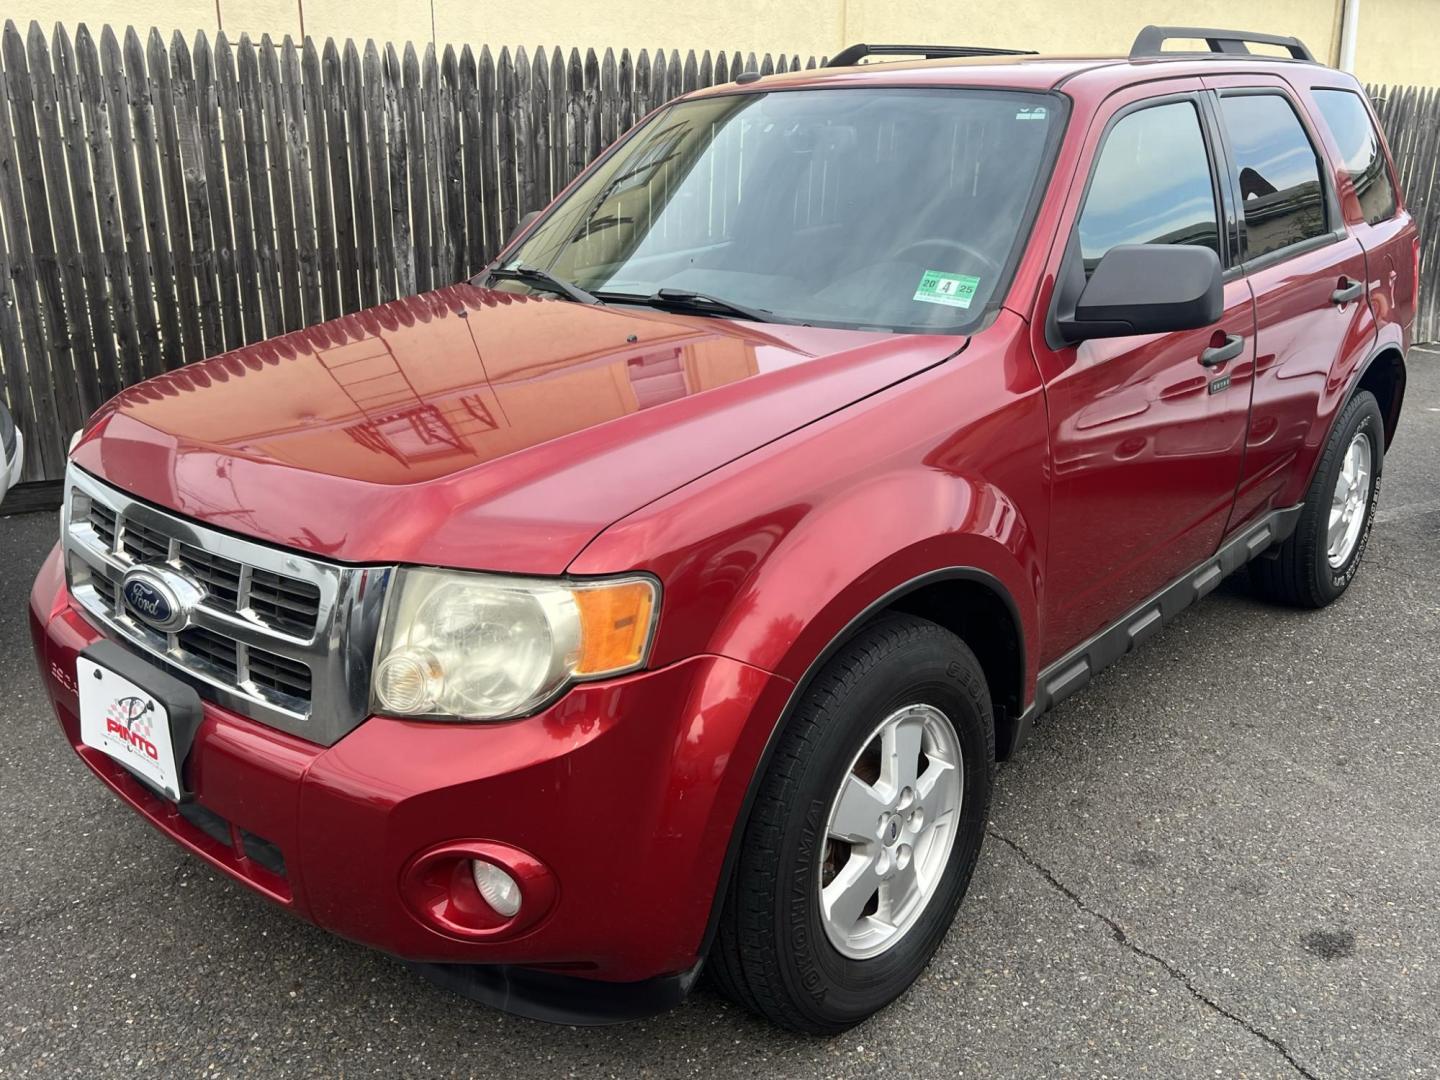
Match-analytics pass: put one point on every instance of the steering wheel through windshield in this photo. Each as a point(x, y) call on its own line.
point(968, 251)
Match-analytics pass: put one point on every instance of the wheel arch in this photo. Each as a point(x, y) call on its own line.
point(1384, 375)
point(934, 596)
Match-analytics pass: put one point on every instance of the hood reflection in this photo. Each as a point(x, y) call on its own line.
point(426, 386)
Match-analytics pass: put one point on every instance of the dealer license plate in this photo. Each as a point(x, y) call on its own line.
point(128, 723)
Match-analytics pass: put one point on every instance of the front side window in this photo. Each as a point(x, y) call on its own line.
point(1152, 185)
point(1359, 143)
point(898, 209)
point(1279, 172)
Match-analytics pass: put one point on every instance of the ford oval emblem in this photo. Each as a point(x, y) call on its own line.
point(160, 597)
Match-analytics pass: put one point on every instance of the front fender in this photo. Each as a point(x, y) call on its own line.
point(767, 560)
point(848, 555)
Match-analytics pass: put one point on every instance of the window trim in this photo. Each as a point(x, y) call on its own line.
point(1330, 200)
point(1380, 147)
point(1234, 217)
point(1192, 97)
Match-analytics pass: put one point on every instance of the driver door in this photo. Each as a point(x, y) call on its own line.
point(1147, 433)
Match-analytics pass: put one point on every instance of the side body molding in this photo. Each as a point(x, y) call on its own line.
point(1076, 668)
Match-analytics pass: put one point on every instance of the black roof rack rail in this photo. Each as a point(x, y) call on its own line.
point(855, 53)
point(1151, 41)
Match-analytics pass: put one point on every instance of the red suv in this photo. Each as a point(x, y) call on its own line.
point(670, 591)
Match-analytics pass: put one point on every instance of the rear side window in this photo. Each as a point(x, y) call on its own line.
point(1349, 122)
point(1152, 185)
point(1280, 187)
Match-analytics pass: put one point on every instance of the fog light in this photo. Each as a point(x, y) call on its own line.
point(499, 889)
point(482, 890)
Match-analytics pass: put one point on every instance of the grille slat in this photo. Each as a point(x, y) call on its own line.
point(279, 674)
point(220, 576)
point(143, 544)
point(269, 670)
point(212, 648)
point(285, 603)
point(102, 520)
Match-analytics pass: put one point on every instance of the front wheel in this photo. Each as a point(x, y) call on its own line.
point(865, 832)
point(1321, 557)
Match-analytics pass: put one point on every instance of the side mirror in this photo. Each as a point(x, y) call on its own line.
point(1145, 289)
point(526, 221)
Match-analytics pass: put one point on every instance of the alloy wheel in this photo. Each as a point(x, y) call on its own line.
point(1349, 502)
point(891, 828)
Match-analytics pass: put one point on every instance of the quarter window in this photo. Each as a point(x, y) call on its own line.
point(1349, 122)
point(1152, 185)
point(1279, 173)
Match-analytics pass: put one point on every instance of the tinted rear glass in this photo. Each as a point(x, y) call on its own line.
point(1349, 122)
point(1279, 177)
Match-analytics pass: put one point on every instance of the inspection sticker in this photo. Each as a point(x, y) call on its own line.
point(952, 290)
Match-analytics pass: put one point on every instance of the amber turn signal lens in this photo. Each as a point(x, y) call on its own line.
point(614, 626)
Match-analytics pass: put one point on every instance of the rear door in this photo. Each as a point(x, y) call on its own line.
point(1146, 440)
point(1370, 202)
point(1308, 275)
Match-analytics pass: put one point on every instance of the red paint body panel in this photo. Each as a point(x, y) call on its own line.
point(1309, 349)
point(474, 428)
point(777, 480)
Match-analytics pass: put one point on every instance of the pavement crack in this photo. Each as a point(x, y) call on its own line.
point(1124, 939)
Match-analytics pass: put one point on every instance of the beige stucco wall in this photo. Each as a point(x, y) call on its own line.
point(1396, 41)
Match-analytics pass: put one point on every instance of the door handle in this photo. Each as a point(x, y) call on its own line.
point(1221, 354)
point(1346, 293)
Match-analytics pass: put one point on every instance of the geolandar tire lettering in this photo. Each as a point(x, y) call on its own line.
point(865, 831)
point(1322, 556)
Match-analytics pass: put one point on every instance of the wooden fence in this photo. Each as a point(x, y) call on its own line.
point(1410, 116)
point(161, 204)
point(165, 204)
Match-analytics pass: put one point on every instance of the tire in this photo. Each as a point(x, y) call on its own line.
point(774, 953)
point(1301, 572)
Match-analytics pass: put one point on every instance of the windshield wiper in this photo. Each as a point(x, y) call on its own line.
point(694, 303)
point(541, 279)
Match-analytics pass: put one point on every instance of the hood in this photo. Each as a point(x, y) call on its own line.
point(475, 428)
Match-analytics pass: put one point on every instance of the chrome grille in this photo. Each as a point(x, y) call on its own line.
point(102, 520)
point(144, 545)
point(219, 575)
point(285, 603)
point(278, 636)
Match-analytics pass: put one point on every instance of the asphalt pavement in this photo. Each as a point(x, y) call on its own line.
point(1220, 860)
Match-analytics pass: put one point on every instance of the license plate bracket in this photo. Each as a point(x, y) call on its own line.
point(140, 716)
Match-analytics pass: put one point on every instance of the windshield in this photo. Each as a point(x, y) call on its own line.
point(900, 209)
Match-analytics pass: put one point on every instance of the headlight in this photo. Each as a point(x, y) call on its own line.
point(466, 646)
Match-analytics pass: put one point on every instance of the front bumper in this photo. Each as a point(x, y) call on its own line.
point(627, 791)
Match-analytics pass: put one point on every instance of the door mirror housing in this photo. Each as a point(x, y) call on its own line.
point(1142, 289)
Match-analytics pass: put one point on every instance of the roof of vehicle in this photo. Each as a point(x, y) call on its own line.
point(1029, 71)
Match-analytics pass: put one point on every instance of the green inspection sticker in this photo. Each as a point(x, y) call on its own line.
point(952, 290)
